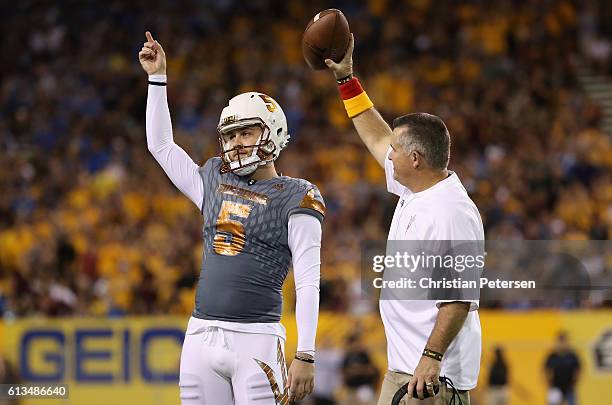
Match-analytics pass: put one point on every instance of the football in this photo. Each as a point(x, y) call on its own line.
point(326, 37)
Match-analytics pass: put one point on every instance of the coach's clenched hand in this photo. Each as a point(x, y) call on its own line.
point(152, 56)
point(300, 380)
point(345, 67)
point(426, 375)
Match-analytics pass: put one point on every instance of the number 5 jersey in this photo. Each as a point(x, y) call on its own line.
point(253, 230)
point(245, 241)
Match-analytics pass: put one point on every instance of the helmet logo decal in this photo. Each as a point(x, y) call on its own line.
point(269, 102)
point(229, 120)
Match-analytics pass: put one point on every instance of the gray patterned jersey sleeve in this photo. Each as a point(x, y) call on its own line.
point(308, 201)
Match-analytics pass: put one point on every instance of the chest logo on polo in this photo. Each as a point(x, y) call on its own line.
point(410, 222)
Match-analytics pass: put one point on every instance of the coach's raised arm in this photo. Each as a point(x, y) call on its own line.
point(371, 127)
point(426, 339)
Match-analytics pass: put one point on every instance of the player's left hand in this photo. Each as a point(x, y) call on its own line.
point(300, 380)
point(427, 372)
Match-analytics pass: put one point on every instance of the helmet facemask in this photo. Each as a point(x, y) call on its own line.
point(246, 110)
point(262, 150)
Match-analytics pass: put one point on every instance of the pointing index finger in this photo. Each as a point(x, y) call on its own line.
point(149, 37)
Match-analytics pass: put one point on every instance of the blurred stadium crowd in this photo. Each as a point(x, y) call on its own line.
point(90, 225)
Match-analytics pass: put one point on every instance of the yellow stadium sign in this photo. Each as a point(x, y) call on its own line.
point(136, 360)
point(119, 361)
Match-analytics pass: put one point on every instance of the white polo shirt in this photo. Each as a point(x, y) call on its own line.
point(442, 212)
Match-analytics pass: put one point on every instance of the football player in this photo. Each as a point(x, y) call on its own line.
point(256, 224)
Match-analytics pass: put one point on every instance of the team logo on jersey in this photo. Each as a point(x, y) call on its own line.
point(281, 398)
point(310, 201)
point(242, 193)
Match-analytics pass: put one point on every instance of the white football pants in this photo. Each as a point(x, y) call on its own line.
point(223, 367)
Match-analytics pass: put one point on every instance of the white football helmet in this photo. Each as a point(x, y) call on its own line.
point(248, 109)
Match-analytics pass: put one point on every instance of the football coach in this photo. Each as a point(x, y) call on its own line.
point(426, 339)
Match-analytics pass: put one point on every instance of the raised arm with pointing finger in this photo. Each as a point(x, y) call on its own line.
point(177, 164)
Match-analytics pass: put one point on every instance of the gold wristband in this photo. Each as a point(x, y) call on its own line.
point(358, 104)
